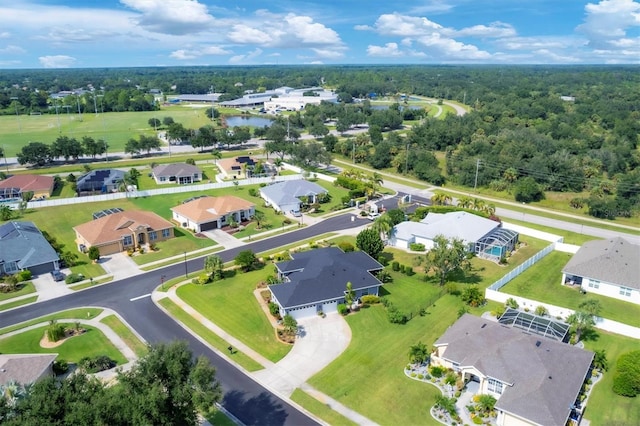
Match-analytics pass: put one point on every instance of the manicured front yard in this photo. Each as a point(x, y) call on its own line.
point(230, 304)
point(542, 282)
point(91, 344)
point(130, 339)
point(24, 288)
point(80, 313)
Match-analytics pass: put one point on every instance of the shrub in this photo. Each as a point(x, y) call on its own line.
point(413, 374)
point(346, 246)
point(55, 331)
point(254, 192)
point(452, 288)
point(24, 275)
point(395, 316)
point(94, 253)
point(409, 271)
point(395, 266)
point(385, 276)
point(511, 303)
point(274, 309)
point(420, 376)
point(370, 299)
point(541, 311)
point(626, 381)
point(203, 278)
point(417, 247)
point(60, 366)
point(96, 364)
point(383, 260)
point(342, 309)
point(500, 311)
point(73, 278)
point(473, 296)
point(436, 371)
point(402, 268)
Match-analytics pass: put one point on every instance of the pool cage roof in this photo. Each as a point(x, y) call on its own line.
point(535, 324)
point(8, 193)
point(500, 237)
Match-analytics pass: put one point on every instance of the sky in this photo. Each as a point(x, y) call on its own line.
point(124, 33)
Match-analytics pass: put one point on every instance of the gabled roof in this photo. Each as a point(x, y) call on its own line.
point(322, 274)
point(23, 242)
point(24, 368)
point(176, 169)
point(28, 182)
point(614, 261)
point(287, 192)
point(465, 226)
point(207, 209)
point(545, 376)
point(114, 226)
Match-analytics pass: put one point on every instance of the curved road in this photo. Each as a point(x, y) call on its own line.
point(243, 397)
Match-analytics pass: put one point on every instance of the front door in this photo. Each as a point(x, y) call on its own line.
point(141, 238)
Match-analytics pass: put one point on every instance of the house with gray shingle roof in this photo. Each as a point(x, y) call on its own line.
point(180, 173)
point(288, 196)
point(22, 246)
point(608, 267)
point(316, 280)
point(536, 380)
point(25, 368)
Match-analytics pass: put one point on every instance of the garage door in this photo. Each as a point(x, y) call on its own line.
point(303, 312)
point(208, 226)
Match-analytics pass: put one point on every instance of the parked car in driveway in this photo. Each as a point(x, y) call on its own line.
point(57, 275)
point(373, 216)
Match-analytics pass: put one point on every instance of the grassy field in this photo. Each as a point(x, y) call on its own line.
point(24, 288)
point(91, 344)
point(230, 304)
point(210, 337)
point(116, 128)
point(80, 313)
point(319, 409)
point(542, 282)
point(17, 303)
point(605, 407)
point(130, 339)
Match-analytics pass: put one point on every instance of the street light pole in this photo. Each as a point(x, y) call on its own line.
point(186, 272)
point(15, 103)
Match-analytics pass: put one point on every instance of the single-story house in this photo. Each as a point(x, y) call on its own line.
point(608, 267)
point(25, 368)
point(536, 380)
point(243, 167)
point(103, 181)
point(485, 237)
point(206, 213)
point(180, 173)
point(288, 196)
point(22, 246)
point(122, 231)
point(316, 280)
point(16, 185)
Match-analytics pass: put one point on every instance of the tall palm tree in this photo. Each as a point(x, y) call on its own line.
point(478, 204)
point(383, 225)
point(464, 202)
point(216, 154)
point(441, 199)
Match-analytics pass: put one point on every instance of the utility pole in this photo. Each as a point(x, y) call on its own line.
point(78, 101)
point(406, 160)
point(475, 183)
point(15, 100)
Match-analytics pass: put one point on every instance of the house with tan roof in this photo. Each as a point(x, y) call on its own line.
point(123, 230)
point(16, 185)
point(244, 167)
point(608, 267)
point(206, 213)
point(536, 380)
point(180, 173)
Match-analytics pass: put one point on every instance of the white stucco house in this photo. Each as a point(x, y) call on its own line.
point(535, 380)
point(206, 213)
point(487, 238)
point(608, 267)
point(287, 196)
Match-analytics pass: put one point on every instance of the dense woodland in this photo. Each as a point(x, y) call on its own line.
point(519, 136)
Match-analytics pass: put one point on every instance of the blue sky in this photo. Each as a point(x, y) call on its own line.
point(110, 33)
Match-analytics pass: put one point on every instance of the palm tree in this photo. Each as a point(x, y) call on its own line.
point(440, 199)
point(490, 209)
point(580, 321)
point(450, 379)
point(5, 212)
point(383, 225)
point(446, 404)
point(478, 204)
point(464, 202)
point(486, 403)
point(510, 175)
point(418, 353)
point(216, 154)
point(258, 216)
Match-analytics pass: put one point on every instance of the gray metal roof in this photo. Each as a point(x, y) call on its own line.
point(176, 169)
point(287, 192)
point(614, 261)
point(322, 274)
point(465, 226)
point(544, 376)
point(22, 242)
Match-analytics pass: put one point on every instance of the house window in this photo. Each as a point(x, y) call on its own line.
point(594, 283)
point(153, 236)
point(494, 386)
point(127, 240)
point(166, 233)
point(10, 267)
point(625, 291)
point(163, 179)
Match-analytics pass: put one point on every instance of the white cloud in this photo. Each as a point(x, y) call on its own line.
point(404, 26)
point(186, 54)
point(311, 33)
point(495, 29)
point(244, 34)
point(245, 58)
point(57, 61)
point(389, 49)
point(609, 20)
point(5, 34)
point(175, 17)
point(12, 50)
point(329, 53)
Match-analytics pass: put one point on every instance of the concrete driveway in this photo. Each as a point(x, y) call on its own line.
point(120, 265)
point(320, 341)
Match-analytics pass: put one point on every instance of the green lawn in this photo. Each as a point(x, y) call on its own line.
point(605, 407)
point(92, 343)
point(80, 313)
point(319, 409)
point(232, 306)
point(542, 282)
point(210, 337)
point(24, 288)
point(130, 339)
point(17, 303)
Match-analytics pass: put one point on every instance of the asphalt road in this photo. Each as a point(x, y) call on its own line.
point(243, 397)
